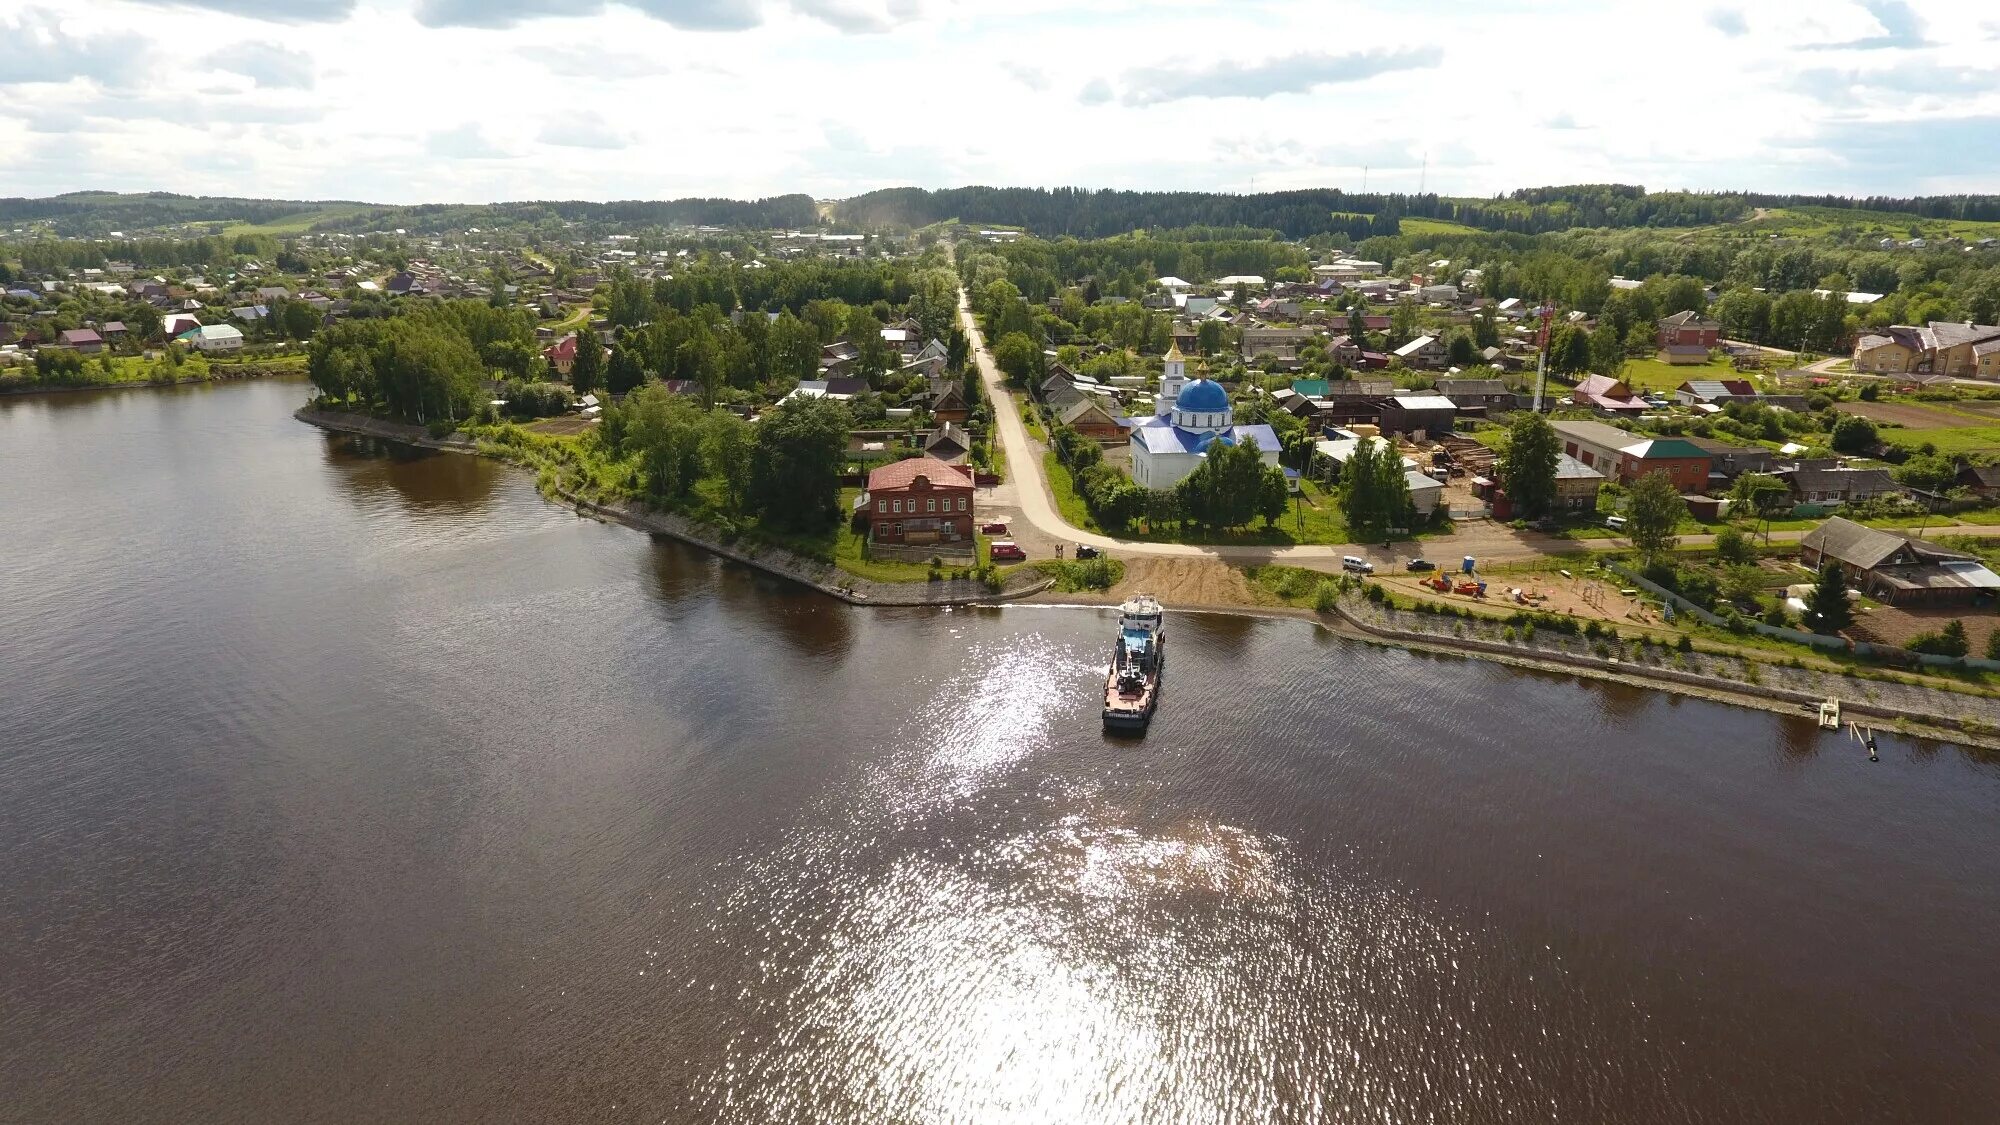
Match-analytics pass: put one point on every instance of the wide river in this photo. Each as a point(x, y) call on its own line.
point(340, 786)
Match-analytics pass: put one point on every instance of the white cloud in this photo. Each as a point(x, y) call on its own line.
point(462, 100)
point(267, 64)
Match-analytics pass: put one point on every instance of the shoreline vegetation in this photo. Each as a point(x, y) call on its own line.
point(1345, 606)
point(133, 372)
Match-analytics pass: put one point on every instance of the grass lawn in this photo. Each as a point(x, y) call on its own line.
point(1955, 439)
point(1421, 227)
point(295, 224)
point(1650, 374)
point(1315, 518)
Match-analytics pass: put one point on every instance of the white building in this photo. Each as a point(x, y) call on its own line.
point(1188, 418)
point(215, 337)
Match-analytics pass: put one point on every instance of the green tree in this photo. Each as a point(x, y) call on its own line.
point(795, 464)
point(666, 430)
point(1228, 488)
point(1528, 471)
point(1403, 322)
point(1653, 509)
point(1460, 350)
point(793, 349)
point(1210, 336)
point(1853, 434)
point(725, 446)
point(1016, 355)
point(622, 372)
point(1927, 472)
point(1732, 547)
point(586, 371)
point(934, 302)
point(1357, 324)
point(1607, 352)
point(1827, 608)
point(1950, 641)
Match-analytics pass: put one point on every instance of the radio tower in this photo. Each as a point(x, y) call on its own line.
point(1548, 312)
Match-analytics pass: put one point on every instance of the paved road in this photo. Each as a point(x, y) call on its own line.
point(1484, 539)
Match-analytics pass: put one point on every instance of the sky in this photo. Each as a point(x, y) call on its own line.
point(413, 101)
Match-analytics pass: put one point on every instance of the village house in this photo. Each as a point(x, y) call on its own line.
point(113, 331)
point(1701, 392)
point(1577, 484)
point(1088, 416)
point(1478, 397)
point(1344, 351)
point(561, 355)
point(81, 339)
point(1897, 569)
point(1606, 395)
point(1689, 329)
point(1727, 462)
point(1430, 415)
point(1819, 483)
point(947, 400)
point(214, 338)
point(1940, 347)
point(1278, 343)
point(921, 501)
point(947, 443)
point(1982, 481)
point(1625, 456)
point(1423, 352)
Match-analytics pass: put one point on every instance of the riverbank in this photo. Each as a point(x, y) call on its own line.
point(1213, 586)
point(211, 376)
point(1874, 697)
point(819, 574)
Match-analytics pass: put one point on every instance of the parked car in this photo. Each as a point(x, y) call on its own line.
point(1421, 564)
point(994, 528)
point(1005, 549)
point(1615, 523)
point(1356, 564)
point(1086, 551)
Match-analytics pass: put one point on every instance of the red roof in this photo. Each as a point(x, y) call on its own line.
point(902, 474)
point(565, 350)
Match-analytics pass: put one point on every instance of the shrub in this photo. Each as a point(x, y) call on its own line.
point(1374, 593)
point(1776, 617)
point(1685, 644)
point(1528, 633)
point(1602, 650)
point(1507, 634)
point(1325, 595)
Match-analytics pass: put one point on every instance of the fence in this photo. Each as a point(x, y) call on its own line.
point(1885, 653)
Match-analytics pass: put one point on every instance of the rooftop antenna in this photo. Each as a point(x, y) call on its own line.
point(1424, 176)
point(1364, 179)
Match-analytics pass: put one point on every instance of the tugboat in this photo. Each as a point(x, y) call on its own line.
point(1138, 659)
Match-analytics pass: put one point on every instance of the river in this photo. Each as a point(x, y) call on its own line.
point(338, 784)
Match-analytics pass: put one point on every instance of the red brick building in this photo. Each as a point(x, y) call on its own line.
point(919, 501)
point(1689, 329)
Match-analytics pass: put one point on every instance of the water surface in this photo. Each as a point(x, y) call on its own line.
point(340, 785)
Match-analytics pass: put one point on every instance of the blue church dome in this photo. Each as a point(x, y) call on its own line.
point(1202, 396)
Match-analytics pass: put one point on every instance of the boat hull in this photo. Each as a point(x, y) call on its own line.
point(1136, 714)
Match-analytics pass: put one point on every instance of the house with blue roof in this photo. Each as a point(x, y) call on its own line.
point(1189, 419)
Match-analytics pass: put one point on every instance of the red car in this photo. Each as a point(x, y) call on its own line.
point(1006, 549)
point(993, 528)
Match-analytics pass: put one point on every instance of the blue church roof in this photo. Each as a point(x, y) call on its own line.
point(1203, 395)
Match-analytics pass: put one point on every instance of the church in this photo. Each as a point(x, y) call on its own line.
point(1188, 417)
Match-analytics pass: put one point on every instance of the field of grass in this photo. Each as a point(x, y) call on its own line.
point(1809, 222)
point(1315, 518)
point(295, 224)
point(1650, 374)
point(1960, 439)
point(1422, 227)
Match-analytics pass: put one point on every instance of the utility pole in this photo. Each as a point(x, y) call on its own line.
point(1542, 349)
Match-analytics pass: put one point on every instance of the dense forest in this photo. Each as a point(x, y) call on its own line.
point(784, 211)
point(97, 212)
point(1083, 213)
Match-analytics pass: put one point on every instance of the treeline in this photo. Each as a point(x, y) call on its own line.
point(60, 255)
point(1087, 213)
point(783, 211)
point(89, 212)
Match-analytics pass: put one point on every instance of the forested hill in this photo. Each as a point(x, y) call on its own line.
point(95, 212)
point(98, 214)
point(782, 211)
point(1084, 213)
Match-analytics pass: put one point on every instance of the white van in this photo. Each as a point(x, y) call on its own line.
point(1615, 523)
point(1356, 564)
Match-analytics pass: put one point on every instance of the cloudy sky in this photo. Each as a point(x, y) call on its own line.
point(475, 100)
